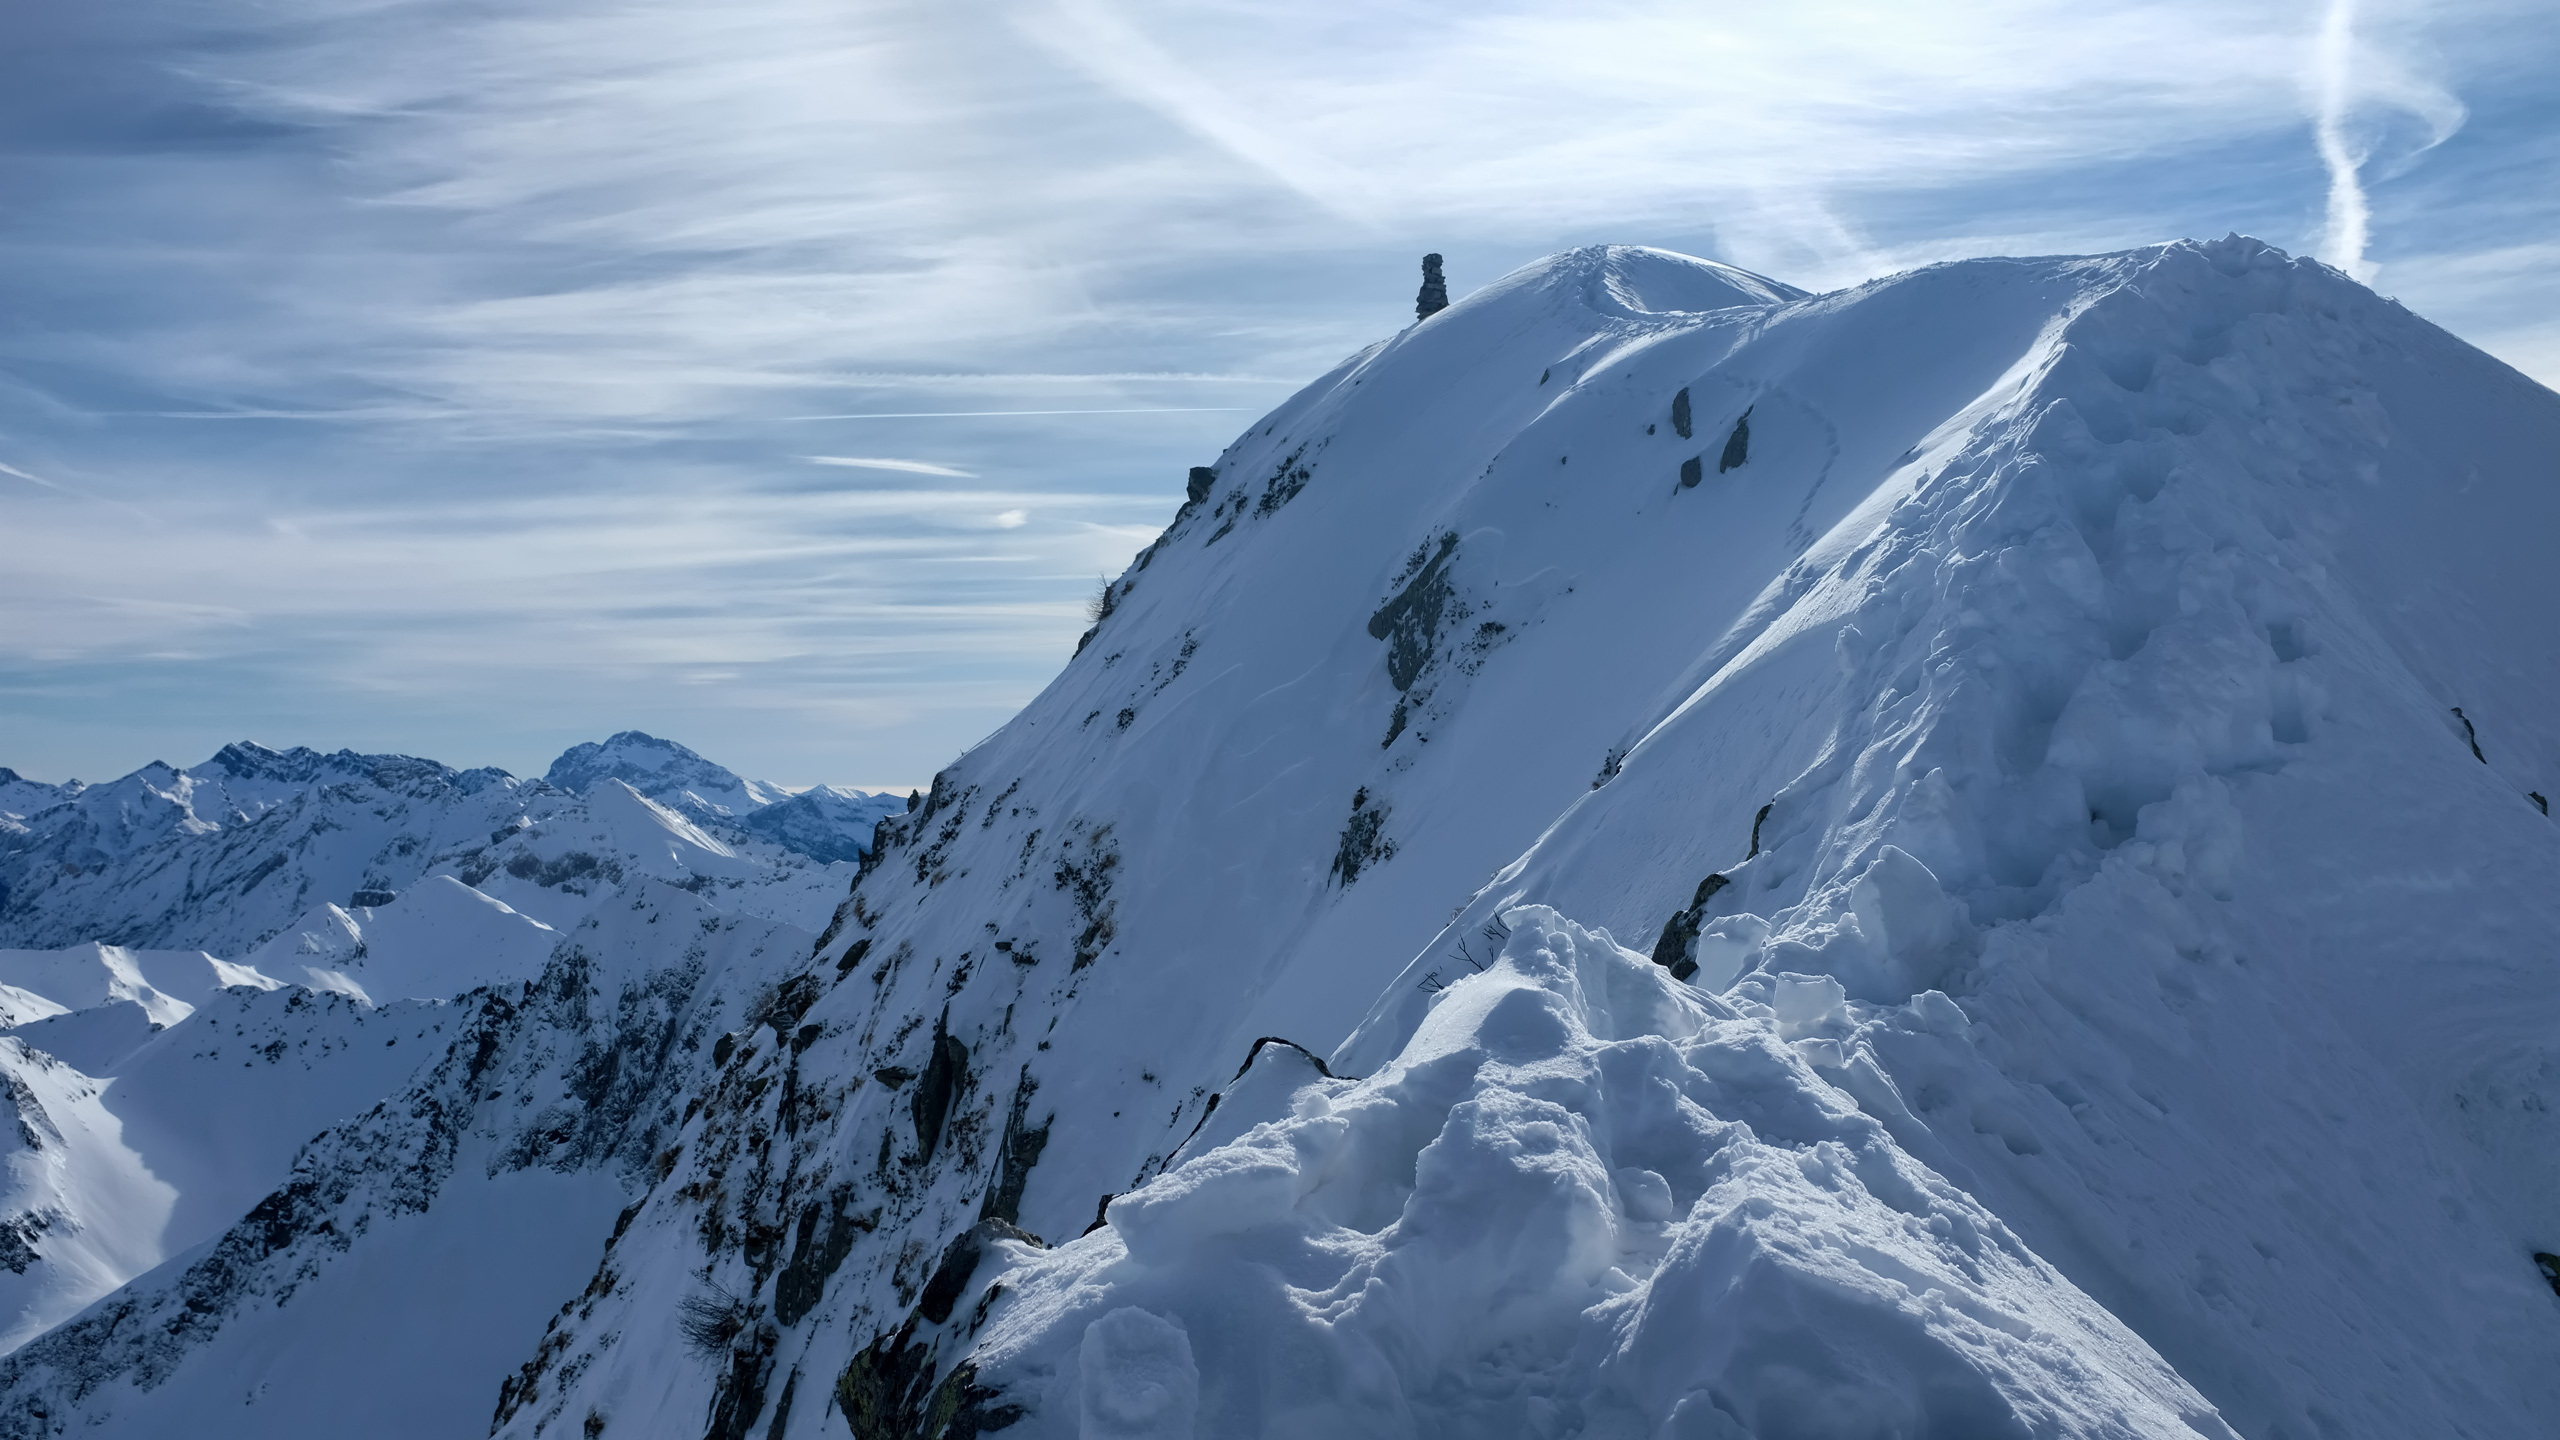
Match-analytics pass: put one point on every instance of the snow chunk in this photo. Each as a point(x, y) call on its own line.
point(1583, 1199)
point(1137, 1381)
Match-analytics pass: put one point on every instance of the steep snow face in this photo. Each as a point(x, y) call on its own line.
point(163, 984)
point(2054, 612)
point(438, 939)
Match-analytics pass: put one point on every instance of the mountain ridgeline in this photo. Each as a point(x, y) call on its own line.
point(1655, 856)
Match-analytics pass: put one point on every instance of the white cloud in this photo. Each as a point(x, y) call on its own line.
point(503, 326)
point(913, 467)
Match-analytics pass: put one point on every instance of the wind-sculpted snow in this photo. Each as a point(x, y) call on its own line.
point(1584, 1199)
point(2069, 731)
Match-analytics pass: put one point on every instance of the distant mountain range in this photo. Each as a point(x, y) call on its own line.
point(225, 855)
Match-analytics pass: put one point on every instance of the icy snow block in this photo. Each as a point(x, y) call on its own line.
point(1577, 1189)
point(1136, 1380)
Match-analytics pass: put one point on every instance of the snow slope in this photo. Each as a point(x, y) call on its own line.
point(438, 938)
point(2017, 696)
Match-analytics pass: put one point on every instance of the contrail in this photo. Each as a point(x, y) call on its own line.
point(973, 414)
point(2342, 242)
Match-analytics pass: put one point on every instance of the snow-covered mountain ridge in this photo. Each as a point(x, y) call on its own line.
point(225, 855)
point(2099, 977)
point(447, 882)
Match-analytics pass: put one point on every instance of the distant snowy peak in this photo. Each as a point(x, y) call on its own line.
point(662, 770)
point(248, 774)
point(826, 822)
point(1640, 280)
point(245, 846)
point(21, 797)
point(94, 825)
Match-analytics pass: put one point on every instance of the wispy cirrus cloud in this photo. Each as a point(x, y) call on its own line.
point(539, 362)
point(913, 467)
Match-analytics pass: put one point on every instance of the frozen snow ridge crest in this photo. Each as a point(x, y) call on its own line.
point(1642, 1198)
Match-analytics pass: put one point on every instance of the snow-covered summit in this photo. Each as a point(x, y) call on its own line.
point(662, 770)
point(824, 822)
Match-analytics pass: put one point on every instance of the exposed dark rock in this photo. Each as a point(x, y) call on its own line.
point(2470, 734)
point(887, 1394)
point(1362, 844)
point(1434, 297)
point(17, 1234)
point(739, 1397)
point(1676, 950)
point(1737, 446)
point(2539, 803)
point(960, 1261)
point(1756, 822)
point(826, 1235)
point(2549, 1265)
point(781, 1407)
point(1692, 470)
point(1680, 413)
point(1088, 884)
point(1203, 480)
point(1287, 479)
point(1313, 1058)
point(1020, 1151)
point(783, 1005)
point(1410, 622)
point(946, 1068)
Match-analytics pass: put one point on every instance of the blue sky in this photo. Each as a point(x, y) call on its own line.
point(475, 377)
